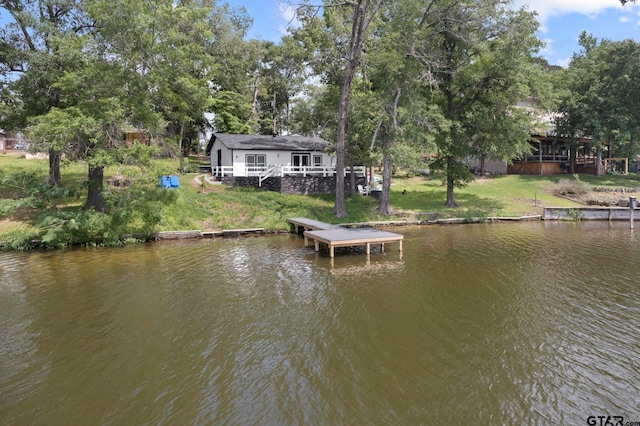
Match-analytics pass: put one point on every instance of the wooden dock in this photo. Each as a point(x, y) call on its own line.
point(309, 224)
point(335, 236)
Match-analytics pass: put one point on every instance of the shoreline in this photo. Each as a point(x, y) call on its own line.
point(249, 232)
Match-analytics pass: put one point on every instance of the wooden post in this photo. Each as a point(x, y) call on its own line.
point(632, 206)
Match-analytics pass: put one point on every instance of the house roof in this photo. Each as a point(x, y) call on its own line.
point(267, 142)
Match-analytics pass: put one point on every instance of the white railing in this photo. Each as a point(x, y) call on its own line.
point(280, 170)
point(255, 170)
point(220, 171)
point(271, 171)
point(318, 171)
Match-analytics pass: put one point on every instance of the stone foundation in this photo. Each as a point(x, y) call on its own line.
point(294, 184)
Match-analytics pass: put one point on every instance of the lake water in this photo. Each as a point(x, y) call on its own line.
point(533, 323)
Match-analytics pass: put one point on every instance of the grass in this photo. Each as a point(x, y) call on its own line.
point(501, 196)
point(217, 207)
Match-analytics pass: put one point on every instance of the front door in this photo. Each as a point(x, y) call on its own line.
point(300, 160)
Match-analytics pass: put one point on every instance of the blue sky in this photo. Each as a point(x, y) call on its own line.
point(561, 22)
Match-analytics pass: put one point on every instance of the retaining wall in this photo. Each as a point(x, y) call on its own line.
point(589, 213)
point(297, 185)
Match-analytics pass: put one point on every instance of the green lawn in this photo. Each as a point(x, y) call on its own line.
point(217, 207)
point(506, 195)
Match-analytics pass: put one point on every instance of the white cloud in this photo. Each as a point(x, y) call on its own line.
point(287, 16)
point(547, 49)
point(543, 29)
point(564, 63)
point(624, 19)
point(551, 8)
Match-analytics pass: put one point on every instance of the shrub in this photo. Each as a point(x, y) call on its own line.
point(573, 187)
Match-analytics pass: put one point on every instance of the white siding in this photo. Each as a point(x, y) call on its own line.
point(237, 158)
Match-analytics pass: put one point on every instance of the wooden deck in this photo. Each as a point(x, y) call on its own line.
point(335, 236)
point(309, 224)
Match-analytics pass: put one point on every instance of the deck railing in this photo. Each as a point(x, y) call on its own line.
point(318, 171)
point(271, 171)
point(221, 171)
point(555, 159)
point(283, 170)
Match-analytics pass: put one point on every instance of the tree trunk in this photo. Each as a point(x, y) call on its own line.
point(255, 117)
point(387, 171)
point(599, 162)
point(339, 209)
point(572, 157)
point(181, 149)
point(352, 180)
point(482, 169)
point(451, 201)
point(95, 199)
point(362, 16)
point(54, 168)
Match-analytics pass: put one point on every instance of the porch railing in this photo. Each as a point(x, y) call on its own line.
point(317, 171)
point(271, 171)
point(221, 171)
point(555, 159)
point(279, 170)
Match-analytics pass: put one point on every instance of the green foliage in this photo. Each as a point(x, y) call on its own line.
point(31, 192)
point(62, 229)
point(575, 215)
point(233, 112)
point(475, 215)
point(481, 57)
point(18, 238)
point(138, 209)
point(602, 95)
point(52, 215)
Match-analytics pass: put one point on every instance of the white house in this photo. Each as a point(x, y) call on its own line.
point(261, 155)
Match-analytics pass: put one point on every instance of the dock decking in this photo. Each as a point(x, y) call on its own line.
point(335, 236)
point(309, 224)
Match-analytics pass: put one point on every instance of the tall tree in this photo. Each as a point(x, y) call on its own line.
point(165, 44)
point(603, 96)
point(33, 56)
point(146, 65)
point(472, 53)
point(351, 21)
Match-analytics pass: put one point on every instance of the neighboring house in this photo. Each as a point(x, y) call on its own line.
point(550, 152)
point(3, 140)
point(291, 164)
point(255, 155)
point(130, 136)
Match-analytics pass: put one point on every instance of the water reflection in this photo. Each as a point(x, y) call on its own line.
point(511, 324)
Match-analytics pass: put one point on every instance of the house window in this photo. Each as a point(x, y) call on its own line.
point(317, 161)
point(254, 161)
